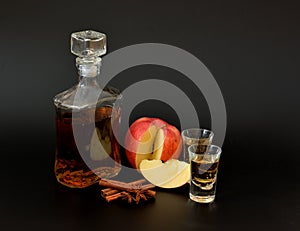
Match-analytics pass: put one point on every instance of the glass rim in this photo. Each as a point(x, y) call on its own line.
point(197, 129)
point(218, 152)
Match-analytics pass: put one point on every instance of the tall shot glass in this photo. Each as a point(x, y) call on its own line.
point(204, 160)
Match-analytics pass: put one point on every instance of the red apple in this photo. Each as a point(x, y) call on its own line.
point(152, 138)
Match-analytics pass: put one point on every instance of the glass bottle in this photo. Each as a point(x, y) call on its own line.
point(86, 124)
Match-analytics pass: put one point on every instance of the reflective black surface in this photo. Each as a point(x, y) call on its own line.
point(251, 194)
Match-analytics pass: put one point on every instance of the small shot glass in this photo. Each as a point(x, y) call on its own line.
point(195, 136)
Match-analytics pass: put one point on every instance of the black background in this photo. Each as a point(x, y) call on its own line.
point(250, 47)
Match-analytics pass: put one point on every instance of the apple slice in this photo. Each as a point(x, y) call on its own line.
point(179, 180)
point(171, 174)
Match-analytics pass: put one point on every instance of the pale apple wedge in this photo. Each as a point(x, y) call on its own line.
point(171, 174)
point(180, 179)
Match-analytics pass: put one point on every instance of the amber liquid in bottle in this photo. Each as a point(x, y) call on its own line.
point(70, 168)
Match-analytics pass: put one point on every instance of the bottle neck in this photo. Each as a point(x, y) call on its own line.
point(88, 67)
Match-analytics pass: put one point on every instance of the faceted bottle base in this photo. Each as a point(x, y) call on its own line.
point(80, 179)
point(71, 176)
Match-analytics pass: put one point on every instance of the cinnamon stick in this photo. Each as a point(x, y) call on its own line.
point(132, 191)
point(114, 197)
point(109, 192)
point(106, 190)
point(118, 186)
point(147, 187)
point(138, 182)
point(124, 186)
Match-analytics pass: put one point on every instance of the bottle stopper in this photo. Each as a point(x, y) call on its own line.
point(88, 43)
